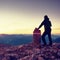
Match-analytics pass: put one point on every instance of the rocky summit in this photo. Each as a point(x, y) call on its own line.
point(30, 52)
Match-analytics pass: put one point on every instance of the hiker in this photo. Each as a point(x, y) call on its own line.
point(47, 27)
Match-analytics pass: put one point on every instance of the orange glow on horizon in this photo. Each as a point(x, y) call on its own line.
point(28, 31)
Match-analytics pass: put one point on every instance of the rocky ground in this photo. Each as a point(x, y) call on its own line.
point(30, 52)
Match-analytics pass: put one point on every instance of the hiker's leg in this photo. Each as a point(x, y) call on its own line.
point(43, 38)
point(50, 39)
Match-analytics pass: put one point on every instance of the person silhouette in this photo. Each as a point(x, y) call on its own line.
point(47, 29)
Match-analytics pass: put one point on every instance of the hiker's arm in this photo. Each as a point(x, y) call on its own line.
point(41, 25)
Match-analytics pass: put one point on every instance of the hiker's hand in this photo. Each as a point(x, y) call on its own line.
point(38, 28)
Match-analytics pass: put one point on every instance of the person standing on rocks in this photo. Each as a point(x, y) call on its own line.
point(47, 27)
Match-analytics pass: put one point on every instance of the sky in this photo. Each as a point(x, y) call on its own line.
point(22, 16)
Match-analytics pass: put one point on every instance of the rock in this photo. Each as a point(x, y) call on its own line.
point(28, 52)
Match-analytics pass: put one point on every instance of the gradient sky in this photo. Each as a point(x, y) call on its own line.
point(22, 16)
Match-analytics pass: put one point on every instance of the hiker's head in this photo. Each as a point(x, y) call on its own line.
point(46, 17)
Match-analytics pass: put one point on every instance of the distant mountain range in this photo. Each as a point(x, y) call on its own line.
point(18, 39)
point(57, 40)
